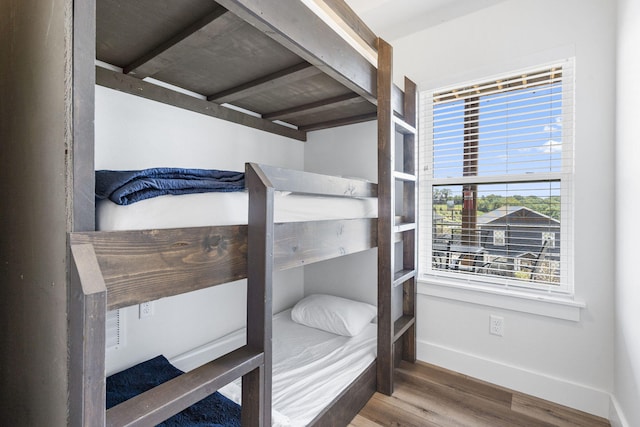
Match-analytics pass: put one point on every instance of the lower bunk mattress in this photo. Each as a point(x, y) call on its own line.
point(311, 367)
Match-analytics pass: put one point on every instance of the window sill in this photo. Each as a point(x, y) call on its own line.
point(555, 306)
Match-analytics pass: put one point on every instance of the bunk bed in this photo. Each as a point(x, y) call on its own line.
point(274, 66)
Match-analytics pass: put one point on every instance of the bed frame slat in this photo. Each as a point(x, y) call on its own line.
point(171, 397)
point(269, 82)
point(149, 63)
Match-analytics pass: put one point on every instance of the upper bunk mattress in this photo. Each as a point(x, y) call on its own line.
point(207, 209)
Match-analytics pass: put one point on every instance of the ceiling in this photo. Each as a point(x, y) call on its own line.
point(392, 19)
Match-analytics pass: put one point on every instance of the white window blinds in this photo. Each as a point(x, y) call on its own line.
point(496, 183)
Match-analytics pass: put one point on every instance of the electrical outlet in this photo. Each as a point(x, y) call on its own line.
point(146, 309)
point(496, 325)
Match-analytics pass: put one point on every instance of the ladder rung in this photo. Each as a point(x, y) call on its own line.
point(403, 127)
point(402, 276)
point(171, 397)
point(404, 176)
point(399, 228)
point(402, 325)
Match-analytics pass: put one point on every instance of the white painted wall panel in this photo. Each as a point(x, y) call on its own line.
point(627, 314)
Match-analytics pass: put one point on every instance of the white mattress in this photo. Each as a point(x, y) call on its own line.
point(195, 210)
point(310, 368)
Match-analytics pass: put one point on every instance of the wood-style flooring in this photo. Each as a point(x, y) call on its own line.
point(426, 395)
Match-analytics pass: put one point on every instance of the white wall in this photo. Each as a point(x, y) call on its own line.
point(350, 151)
point(627, 314)
point(564, 361)
point(135, 133)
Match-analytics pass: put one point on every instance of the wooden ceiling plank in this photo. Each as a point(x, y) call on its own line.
point(314, 107)
point(124, 83)
point(289, 75)
point(147, 65)
point(339, 122)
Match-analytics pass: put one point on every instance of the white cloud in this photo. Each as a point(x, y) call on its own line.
point(551, 146)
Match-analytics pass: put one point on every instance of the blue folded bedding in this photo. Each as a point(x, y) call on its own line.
point(213, 411)
point(126, 187)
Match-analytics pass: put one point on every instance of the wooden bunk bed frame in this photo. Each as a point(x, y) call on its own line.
point(329, 84)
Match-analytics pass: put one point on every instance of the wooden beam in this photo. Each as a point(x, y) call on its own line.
point(313, 183)
point(256, 388)
point(134, 86)
point(145, 265)
point(296, 27)
point(349, 17)
point(272, 81)
point(150, 63)
point(84, 81)
point(315, 107)
point(339, 122)
point(87, 316)
point(386, 205)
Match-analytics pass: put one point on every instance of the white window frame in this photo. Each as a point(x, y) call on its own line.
point(564, 176)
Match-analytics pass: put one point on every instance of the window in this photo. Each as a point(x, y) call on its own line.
point(497, 177)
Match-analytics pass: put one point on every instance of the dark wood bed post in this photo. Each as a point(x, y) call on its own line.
point(385, 218)
point(396, 220)
point(87, 326)
point(256, 386)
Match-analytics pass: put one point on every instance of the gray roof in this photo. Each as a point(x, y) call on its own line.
point(504, 211)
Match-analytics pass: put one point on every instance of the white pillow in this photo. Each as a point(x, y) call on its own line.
point(333, 314)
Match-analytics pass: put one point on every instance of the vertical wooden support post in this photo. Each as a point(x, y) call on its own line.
point(86, 398)
point(256, 386)
point(410, 243)
point(386, 202)
point(87, 316)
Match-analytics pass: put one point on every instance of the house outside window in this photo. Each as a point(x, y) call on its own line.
point(496, 182)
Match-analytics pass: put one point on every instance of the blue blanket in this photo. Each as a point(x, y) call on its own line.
point(212, 411)
point(126, 187)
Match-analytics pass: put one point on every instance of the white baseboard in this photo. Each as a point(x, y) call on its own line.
point(616, 416)
point(574, 395)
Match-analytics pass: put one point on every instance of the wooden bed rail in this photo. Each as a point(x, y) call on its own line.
point(313, 183)
point(146, 265)
point(173, 396)
point(140, 266)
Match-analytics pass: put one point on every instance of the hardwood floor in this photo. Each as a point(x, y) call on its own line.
point(426, 395)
